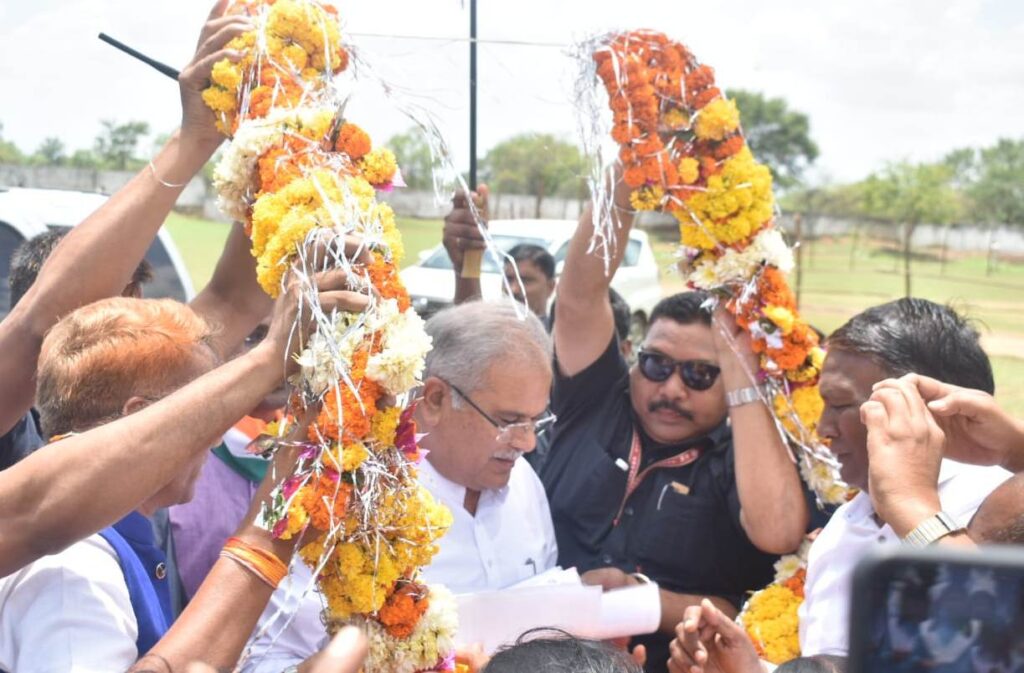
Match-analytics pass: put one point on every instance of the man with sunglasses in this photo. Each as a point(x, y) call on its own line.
point(671, 470)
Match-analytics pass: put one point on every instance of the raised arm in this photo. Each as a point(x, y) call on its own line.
point(584, 321)
point(773, 509)
point(233, 300)
point(461, 233)
point(103, 474)
point(97, 258)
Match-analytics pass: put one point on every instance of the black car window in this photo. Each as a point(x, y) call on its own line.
point(9, 240)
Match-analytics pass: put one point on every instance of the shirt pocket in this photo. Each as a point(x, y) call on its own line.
point(678, 538)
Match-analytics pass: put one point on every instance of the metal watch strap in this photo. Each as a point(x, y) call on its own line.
point(737, 398)
point(931, 530)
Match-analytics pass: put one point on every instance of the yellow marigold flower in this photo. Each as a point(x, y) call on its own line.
point(297, 520)
point(353, 456)
point(806, 403)
point(781, 317)
point(771, 621)
point(676, 119)
point(226, 74)
point(647, 198)
point(689, 170)
point(735, 205)
point(378, 166)
point(384, 425)
point(219, 99)
point(717, 119)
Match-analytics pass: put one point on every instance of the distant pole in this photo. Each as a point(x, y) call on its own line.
point(798, 221)
point(472, 94)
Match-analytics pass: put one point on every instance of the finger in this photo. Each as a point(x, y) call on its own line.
point(217, 9)
point(331, 280)
point(639, 655)
point(197, 75)
point(351, 302)
point(472, 244)
point(681, 656)
point(213, 25)
point(873, 416)
point(345, 653)
point(959, 402)
point(219, 39)
point(691, 619)
point(467, 229)
point(930, 388)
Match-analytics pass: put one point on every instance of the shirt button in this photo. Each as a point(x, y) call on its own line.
point(606, 559)
point(628, 511)
point(161, 571)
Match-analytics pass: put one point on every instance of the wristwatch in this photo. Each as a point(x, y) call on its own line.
point(737, 398)
point(931, 530)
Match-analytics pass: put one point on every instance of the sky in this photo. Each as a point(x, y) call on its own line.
point(880, 80)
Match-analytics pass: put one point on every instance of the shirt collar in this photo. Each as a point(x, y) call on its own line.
point(861, 508)
point(136, 527)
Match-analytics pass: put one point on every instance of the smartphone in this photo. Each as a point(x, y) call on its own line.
point(939, 609)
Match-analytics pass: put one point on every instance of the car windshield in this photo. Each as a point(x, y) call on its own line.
point(439, 258)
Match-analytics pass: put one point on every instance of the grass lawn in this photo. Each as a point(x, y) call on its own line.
point(838, 281)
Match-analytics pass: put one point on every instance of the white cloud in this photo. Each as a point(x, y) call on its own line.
point(880, 80)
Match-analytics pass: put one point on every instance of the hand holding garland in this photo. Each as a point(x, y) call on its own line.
point(773, 510)
point(127, 223)
point(137, 452)
point(218, 621)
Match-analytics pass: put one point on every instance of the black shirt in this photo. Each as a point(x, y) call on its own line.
point(681, 526)
point(21, 440)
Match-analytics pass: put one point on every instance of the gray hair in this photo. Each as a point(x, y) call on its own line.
point(471, 337)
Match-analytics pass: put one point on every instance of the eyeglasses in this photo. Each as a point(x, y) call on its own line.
point(696, 375)
point(510, 431)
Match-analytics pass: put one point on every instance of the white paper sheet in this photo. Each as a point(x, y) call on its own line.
point(556, 599)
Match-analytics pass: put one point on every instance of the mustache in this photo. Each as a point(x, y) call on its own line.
point(658, 405)
point(510, 454)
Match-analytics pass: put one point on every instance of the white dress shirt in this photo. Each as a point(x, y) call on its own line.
point(510, 539)
point(852, 533)
point(69, 612)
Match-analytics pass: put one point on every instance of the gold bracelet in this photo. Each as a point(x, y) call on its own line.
point(171, 185)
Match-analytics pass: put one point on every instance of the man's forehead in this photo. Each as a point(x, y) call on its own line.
point(681, 342)
point(849, 372)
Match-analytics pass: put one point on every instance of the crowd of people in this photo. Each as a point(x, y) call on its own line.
point(129, 496)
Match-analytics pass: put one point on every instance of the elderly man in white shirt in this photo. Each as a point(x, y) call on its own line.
point(908, 335)
point(483, 400)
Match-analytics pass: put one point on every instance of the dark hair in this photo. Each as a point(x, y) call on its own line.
point(685, 308)
point(919, 336)
point(528, 252)
point(821, 663)
point(29, 257)
point(622, 313)
point(555, 651)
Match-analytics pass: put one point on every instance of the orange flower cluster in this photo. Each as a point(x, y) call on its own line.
point(357, 408)
point(403, 610)
point(796, 583)
point(325, 499)
point(775, 300)
point(656, 91)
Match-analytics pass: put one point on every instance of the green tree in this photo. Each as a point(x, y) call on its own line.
point(909, 195)
point(997, 195)
point(84, 159)
point(414, 158)
point(778, 136)
point(537, 164)
point(116, 144)
point(50, 152)
point(9, 152)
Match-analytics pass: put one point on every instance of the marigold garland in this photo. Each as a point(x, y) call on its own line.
point(683, 152)
point(770, 615)
point(296, 171)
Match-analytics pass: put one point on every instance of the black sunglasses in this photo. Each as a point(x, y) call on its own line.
point(697, 375)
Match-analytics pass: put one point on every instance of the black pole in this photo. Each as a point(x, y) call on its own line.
point(165, 69)
point(472, 94)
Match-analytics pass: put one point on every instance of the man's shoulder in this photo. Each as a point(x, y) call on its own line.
point(963, 487)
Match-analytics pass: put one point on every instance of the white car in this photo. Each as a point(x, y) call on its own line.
point(25, 213)
point(431, 282)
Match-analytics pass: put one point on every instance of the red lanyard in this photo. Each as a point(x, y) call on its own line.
point(636, 477)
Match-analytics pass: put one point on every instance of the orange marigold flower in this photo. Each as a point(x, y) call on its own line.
point(634, 176)
point(353, 141)
point(700, 78)
point(729, 147)
point(706, 96)
point(403, 611)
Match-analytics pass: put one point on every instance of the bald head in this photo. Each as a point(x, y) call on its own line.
point(1000, 519)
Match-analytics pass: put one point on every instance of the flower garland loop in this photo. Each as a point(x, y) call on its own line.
point(683, 152)
point(297, 173)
